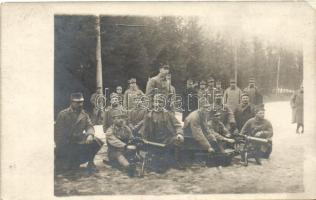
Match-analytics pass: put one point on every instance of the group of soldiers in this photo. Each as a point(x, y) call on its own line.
point(211, 116)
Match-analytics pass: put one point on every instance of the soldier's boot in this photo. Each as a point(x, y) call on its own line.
point(92, 167)
point(257, 157)
point(178, 161)
point(131, 170)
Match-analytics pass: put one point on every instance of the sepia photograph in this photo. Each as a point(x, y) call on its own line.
point(178, 104)
point(158, 100)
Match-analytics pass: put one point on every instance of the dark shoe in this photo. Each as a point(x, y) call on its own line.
point(92, 167)
point(131, 171)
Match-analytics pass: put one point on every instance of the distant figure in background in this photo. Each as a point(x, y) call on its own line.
point(119, 92)
point(190, 99)
point(98, 103)
point(232, 95)
point(74, 137)
point(210, 89)
point(255, 97)
point(297, 104)
point(131, 94)
point(218, 88)
point(202, 94)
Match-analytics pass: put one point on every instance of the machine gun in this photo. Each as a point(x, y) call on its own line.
point(245, 145)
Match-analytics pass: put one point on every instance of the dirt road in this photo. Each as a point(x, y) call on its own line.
point(282, 173)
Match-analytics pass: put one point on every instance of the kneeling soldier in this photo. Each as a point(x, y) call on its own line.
point(118, 136)
point(74, 137)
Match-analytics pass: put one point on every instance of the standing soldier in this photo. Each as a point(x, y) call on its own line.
point(172, 94)
point(244, 111)
point(117, 137)
point(255, 97)
point(115, 105)
point(227, 115)
point(202, 94)
point(131, 94)
point(297, 105)
point(211, 89)
point(218, 88)
point(98, 103)
point(119, 92)
point(158, 84)
point(190, 99)
point(232, 95)
point(74, 137)
point(259, 127)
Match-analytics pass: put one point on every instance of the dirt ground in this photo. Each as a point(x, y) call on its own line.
point(282, 173)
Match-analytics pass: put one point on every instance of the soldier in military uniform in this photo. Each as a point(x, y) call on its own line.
point(74, 137)
point(218, 88)
point(259, 127)
point(210, 89)
point(161, 126)
point(118, 137)
point(159, 84)
point(255, 97)
point(190, 99)
point(227, 115)
point(136, 115)
point(115, 105)
point(97, 101)
point(119, 92)
point(196, 126)
point(244, 111)
point(131, 94)
point(232, 95)
point(203, 94)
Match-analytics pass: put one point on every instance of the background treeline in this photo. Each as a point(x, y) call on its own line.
point(134, 47)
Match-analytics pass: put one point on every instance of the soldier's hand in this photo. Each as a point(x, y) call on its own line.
point(179, 139)
point(89, 139)
point(230, 140)
point(211, 150)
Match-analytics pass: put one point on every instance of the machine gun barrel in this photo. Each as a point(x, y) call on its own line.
point(256, 139)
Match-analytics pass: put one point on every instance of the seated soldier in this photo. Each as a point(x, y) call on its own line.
point(220, 131)
point(259, 127)
point(244, 111)
point(115, 105)
point(118, 136)
point(161, 126)
point(136, 115)
point(226, 114)
point(74, 137)
point(195, 125)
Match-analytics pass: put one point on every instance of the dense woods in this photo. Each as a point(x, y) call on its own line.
point(134, 47)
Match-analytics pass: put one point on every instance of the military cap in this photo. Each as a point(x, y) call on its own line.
point(202, 83)
point(114, 95)
point(210, 80)
point(77, 97)
point(259, 108)
point(245, 94)
point(218, 94)
point(251, 80)
point(99, 87)
point(132, 80)
point(218, 82)
point(232, 80)
point(164, 66)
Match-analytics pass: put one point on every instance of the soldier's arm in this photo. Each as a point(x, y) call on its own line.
point(198, 135)
point(268, 132)
point(125, 100)
point(150, 87)
point(176, 124)
point(59, 136)
point(113, 140)
point(230, 115)
point(89, 126)
point(225, 96)
point(105, 121)
point(245, 128)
